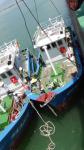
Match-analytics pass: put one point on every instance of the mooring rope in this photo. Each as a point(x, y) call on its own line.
point(51, 145)
point(47, 129)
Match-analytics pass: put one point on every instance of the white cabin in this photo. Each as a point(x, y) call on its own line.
point(53, 35)
point(9, 77)
point(7, 56)
point(52, 31)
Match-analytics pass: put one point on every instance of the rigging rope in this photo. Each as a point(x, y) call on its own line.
point(24, 22)
point(53, 4)
point(35, 19)
point(47, 129)
point(10, 6)
point(36, 10)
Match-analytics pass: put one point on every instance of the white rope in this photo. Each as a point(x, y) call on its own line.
point(47, 129)
point(36, 111)
point(51, 146)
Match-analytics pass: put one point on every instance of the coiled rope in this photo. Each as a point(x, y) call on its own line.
point(47, 129)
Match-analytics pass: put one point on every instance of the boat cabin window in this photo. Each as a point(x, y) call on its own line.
point(65, 39)
point(9, 61)
point(41, 48)
point(59, 42)
point(10, 57)
point(3, 76)
point(9, 73)
point(48, 46)
point(61, 32)
point(70, 44)
point(54, 45)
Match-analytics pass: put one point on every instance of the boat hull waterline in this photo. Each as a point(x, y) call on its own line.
point(13, 132)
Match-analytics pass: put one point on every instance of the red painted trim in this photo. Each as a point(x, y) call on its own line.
point(46, 97)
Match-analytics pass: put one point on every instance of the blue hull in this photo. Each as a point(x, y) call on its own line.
point(14, 130)
point(62, 95)
point(65, 96)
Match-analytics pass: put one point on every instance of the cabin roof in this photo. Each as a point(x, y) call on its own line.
point(53, 31)
point(7, 56)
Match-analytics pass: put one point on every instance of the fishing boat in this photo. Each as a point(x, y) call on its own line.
point(55, 68)
point(15, 110)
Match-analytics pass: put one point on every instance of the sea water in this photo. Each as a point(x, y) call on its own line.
point(69, 125)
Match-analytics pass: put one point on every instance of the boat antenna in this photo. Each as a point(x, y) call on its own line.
point(24, 22)
point(36, 10)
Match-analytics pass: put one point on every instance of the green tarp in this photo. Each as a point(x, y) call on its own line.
point(3, 120)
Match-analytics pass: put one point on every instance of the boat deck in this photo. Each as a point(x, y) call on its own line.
point(65, 69)
point(4, 116)
point(11, 109)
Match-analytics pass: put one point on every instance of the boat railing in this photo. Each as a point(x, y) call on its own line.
point(52, 21)
point(39, 35)
point(6, 46)
point(53, 25)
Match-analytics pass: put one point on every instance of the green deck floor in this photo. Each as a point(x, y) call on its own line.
point(3, 120)
point(6, 104)
point(69, 133)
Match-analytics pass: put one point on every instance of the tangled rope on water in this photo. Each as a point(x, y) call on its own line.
point(47, 130)
point(51, 146)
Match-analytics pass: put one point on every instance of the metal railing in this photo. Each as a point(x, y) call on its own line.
point(52, 25)
point(6, 46)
